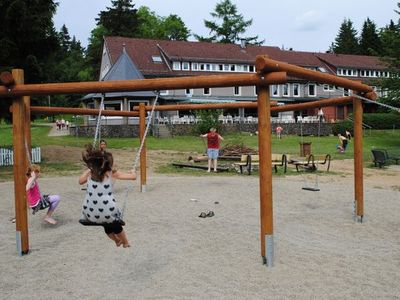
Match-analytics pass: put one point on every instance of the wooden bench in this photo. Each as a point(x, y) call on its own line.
point(312, 161)
point(244, 163)
point(279, 160)
point(381, 157)
point(249, 161)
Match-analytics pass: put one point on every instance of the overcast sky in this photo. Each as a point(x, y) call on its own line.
point(308, 25)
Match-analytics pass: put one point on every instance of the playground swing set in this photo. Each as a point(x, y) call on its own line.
point(268, 72)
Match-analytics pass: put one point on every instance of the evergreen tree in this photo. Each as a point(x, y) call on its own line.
point(120, 19)
point(231, 28)
point(390, 37)
point(370, 43)
point(27, 40)
point(346, 41)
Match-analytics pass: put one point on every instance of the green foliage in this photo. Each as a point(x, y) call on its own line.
point(342, 126)
point(152, 26)
point(94, 51)
point(209, 119)
point(382, 120)
point(370, 43)
point(231, 28)
point(346, 41)
point(120, 19)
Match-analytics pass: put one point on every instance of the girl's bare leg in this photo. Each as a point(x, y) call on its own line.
point(115, 238)
point(123, 238)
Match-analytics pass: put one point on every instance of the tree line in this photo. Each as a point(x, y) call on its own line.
point(30, 41)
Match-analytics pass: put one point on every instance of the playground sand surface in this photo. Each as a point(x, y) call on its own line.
point(320, 252)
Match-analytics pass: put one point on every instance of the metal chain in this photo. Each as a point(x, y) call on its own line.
point(138, 153)
point(96, 134)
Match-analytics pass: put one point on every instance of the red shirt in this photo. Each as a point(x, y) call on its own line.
point(212, 140)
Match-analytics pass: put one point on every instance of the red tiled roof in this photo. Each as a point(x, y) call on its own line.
point(142, 50)
point(352, 61)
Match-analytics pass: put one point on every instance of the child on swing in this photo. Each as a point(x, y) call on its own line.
point(99, 205)
point(35, 199)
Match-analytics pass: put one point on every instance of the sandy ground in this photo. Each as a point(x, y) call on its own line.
point(320, 252)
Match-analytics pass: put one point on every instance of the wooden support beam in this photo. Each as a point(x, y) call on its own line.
point(204, 106)
point(143, 84)
point(264, 148)
point(142, 128)
point(265, 64)
point(19, 167)
point(313, 104)
point(358, 160)
point(81, 111)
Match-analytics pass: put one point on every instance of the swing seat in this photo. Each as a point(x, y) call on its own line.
point(86, 222)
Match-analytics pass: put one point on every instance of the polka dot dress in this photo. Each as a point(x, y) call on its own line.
point(99, 205)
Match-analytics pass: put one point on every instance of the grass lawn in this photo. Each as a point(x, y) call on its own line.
point(387, 139)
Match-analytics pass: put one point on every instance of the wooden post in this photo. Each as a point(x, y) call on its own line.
point(264, 148)
point(20, 165)
point(358, 160)
point(142, 127)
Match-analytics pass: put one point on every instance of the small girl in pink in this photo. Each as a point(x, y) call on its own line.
point(33, 194)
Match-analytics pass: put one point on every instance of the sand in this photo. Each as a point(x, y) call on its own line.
point(320, 252)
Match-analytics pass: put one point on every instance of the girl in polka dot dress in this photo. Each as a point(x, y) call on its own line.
point(99, 205)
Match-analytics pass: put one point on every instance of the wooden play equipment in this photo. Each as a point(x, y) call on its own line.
point(269, 72)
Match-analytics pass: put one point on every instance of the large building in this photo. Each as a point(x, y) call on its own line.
point(132, 58)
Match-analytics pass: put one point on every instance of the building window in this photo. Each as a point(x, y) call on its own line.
point(220, 67)
point(91, 106)
point(202, 67)
point(176, 65)
point(156, 59)
point(255, 90)
point(189, 92)
point(296, 90)
point(328, 88)
point(275, 90)
point(207, 91)
point(195, 66)
point(236, 90)
point(285, 91)
point(113, 105)
point(346, 92)
point(185, 66)
point(164, 92)
point(226, 68)
point(251, 69)
point(312, 92)
point(233, 68)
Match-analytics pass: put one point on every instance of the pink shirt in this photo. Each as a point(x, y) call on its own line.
point(33, 195)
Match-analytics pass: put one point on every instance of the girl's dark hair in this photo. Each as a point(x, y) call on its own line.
point(99, 162)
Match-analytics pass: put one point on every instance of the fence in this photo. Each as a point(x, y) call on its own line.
point(7, 156)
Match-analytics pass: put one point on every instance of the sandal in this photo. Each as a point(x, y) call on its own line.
point(210, 214)
point(203, 215)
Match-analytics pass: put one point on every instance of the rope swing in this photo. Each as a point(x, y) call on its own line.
point(135, 164)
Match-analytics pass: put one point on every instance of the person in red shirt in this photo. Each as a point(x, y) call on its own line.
point(213, 140)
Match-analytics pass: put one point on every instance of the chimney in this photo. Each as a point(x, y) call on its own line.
point(243, 43)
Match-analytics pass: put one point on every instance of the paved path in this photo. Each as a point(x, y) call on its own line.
point(56, 132)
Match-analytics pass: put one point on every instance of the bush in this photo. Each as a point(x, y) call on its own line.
point(342, 126)
point(382, 120)
point(209, 119)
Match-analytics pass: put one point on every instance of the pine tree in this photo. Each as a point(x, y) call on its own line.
point(346, 41)
point(120, 19)
point(370, 43)
point(231, 28)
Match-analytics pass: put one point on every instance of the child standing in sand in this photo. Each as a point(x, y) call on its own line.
point(35, 199)
point(99, 205)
